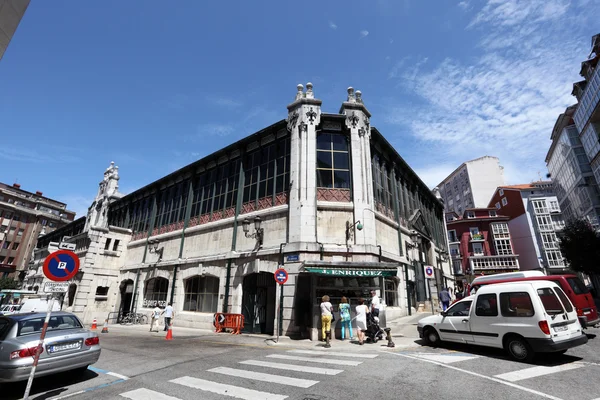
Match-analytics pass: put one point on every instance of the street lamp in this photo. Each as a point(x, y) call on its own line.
point(258, 231)
point(154, 249)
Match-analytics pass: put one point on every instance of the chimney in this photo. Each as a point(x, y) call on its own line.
point(38, 193)
point(16, 185)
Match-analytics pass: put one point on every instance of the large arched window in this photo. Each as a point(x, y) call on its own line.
point(155, 292)
point(201, 294)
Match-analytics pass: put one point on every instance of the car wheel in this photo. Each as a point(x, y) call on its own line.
point(431, 337)
point(519, 349)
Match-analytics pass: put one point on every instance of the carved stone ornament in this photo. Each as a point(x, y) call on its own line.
point(292, 119)
point(366, 121)
point(303, 127)
point(332, 126)
point(361, 132)
point(353, 119)
point(311, 115)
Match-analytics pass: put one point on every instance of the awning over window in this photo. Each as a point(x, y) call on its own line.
point(351, 269)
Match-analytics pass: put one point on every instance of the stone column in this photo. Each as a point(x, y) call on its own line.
point(304, 114)
point(358, 123)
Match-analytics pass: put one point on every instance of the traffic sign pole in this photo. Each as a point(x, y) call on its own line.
point(39, 349)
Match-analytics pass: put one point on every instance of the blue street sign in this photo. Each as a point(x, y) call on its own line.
point(61, 265)
point(281, 276)
point(293, 257)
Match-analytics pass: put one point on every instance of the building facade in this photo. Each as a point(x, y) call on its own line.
point(572, 176)
point(535, 220)
point(23, 217)
point(480, 242)
point(471, 185)
point(323, 195)
point(11, 13)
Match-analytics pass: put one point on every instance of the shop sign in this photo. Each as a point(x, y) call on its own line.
point(352, 272)
point(153, 303)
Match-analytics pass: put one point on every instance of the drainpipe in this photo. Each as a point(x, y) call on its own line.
point(320, 251)
point(379, 252)
point(282, 261)
point(407, 290)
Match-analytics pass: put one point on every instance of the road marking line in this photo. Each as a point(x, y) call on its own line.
point(259, 376)
point(535, 372)
point(146, 394)
point(118, 375)
point(513, 385)
point(69, 395)
point(445, 358)
point(226, 390)
point(316, 360)
point(292, 367)
point(333, 353)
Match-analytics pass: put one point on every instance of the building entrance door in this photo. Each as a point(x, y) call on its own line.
point(126, 291)
point(258, 303)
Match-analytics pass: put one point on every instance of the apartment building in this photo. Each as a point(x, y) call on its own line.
point(471, 184)
point(535, 220)
point(480, 243)
point(23, 217)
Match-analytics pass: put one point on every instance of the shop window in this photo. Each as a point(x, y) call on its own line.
point(201, 294)
point(155, 292)
point(391, 292)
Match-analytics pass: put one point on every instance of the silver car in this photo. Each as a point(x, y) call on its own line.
point(67, 346)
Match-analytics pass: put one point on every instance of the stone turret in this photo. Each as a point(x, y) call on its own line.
point(108, 191)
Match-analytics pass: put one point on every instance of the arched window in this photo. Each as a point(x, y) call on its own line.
point(201, 294)
point(155, 292)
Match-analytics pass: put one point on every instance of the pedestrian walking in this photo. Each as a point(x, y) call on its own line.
point(375, 304)
point(361, 320)
point(326, 317)
point(345, 317)
point(169, 313)
point(445, 299)
point(154, 318)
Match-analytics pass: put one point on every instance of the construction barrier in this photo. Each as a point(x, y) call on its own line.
point(223, 321)
point(94, 324)
point(105, 327)
point(170, 332)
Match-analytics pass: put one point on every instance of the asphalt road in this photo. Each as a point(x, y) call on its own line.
point(138, 366)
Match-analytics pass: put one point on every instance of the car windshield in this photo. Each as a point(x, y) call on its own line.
point(550, 301)
point(577, 286)
point(57, 322)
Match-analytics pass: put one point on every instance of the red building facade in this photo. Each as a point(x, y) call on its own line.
point(480, 243)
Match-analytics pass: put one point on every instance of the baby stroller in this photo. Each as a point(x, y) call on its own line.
point(374, 331)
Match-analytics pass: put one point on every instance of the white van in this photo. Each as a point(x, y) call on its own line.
point(522, 317)
point(38, 305)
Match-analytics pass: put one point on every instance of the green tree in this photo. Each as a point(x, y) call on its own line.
point(8, 283)
point(580, 245)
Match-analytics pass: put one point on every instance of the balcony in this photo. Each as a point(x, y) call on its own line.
point(485, 263)
point(477, 237)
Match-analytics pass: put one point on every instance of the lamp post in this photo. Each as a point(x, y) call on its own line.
point(258, 231)
point(154, 249)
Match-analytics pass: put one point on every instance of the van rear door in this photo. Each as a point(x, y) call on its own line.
point(562, 317)
point(583, 301)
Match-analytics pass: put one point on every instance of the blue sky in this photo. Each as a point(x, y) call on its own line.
point(155, 85)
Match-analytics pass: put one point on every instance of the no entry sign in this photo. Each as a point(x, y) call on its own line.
point(61, 265)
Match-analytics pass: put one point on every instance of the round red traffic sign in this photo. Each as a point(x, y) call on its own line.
point(61, 265)
point(281, 276)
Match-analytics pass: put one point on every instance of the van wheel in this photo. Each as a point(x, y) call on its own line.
point(431, 337)
point(519, 349)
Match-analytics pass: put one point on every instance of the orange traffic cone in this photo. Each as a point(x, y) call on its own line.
point(94, 324)
point(105, 327)
point(170, 332)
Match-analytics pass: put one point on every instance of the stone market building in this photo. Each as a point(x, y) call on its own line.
point(323, 195)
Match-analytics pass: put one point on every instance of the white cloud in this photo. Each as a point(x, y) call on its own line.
point(464, 5)
point(214, 130)
point(77, 203)
point(332, 25)
point(364, 33)
point(433, 174)
point(506, 101)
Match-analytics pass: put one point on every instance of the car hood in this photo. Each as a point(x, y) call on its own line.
point(432, 319)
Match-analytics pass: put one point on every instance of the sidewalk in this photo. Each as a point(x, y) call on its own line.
point(250, 339)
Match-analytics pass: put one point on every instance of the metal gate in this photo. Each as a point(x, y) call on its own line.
point(256, 302)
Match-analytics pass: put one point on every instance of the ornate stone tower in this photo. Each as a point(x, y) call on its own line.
point(304, 114)
point(107, 191)
point(358, 122)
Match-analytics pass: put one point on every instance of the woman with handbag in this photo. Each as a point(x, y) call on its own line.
point(345, 317)
point(326, 318)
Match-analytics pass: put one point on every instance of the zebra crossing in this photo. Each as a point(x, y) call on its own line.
point(264, 370)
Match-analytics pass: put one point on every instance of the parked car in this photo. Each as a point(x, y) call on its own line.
point(9, 309)
point(523, 318)
point(67, 346)
point(576, 291)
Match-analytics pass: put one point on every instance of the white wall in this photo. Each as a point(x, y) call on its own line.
point(524, 242)
point(485, 175)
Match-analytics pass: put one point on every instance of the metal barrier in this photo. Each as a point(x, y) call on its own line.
point(223, 321)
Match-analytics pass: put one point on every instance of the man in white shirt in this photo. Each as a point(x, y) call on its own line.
point(168, 315)
point(375, 305)
point(155, 316)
